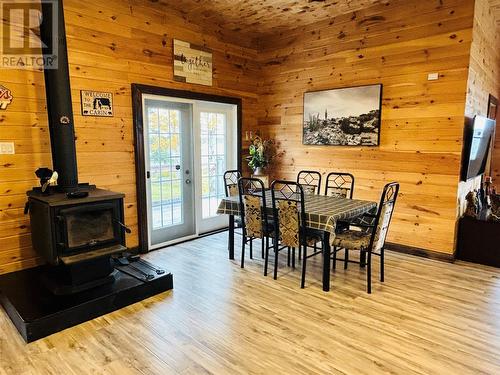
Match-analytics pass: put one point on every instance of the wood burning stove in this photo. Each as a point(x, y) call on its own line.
point(77, 236)
point(67, 231)
point(76, 228)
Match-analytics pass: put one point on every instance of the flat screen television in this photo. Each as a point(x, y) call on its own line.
point(477, 140)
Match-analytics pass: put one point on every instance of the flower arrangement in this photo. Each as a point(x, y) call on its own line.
point(262, 153)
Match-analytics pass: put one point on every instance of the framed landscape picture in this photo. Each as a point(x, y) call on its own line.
point(343, 117)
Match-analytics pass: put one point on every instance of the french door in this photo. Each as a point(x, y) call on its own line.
point(216, 153)
point(188, 146)
point(169, 166)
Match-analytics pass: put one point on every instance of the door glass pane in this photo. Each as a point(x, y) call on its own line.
point(213, 160)
point(165, 155)
point(174, 122)
point(167, 215)
point(157, 220)
point(175, 144)
point(153, 120)
point(156, 193)
point(164, 120)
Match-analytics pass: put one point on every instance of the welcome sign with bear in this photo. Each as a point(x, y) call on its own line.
point(96, 103)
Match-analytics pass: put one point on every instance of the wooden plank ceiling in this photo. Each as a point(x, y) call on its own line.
point(246, 21)
point(495, 8)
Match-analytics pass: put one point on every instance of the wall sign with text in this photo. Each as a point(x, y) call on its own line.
point(97, 103)
point(5, 97)
point(192, 63)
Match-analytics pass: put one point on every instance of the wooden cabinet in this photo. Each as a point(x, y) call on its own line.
point(479, 241)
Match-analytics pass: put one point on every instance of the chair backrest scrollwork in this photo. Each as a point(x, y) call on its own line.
point(339, 184)
point(231, 182)
point(310, 181)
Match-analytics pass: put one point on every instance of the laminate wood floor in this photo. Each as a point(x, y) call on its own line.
point(428, 317)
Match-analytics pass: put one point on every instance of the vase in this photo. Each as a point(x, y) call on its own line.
point(259, 171)
point(261, 175)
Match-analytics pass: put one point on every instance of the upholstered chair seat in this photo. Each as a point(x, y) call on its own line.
point(311, 241)
point(352, 239)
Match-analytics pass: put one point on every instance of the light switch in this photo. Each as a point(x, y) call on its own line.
point(433, 76)
point(7, 148)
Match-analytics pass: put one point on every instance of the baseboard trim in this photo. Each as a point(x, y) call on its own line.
point(404, 249)
point(450, 258)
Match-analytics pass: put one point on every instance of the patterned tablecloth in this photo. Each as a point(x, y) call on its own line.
point(322, 212)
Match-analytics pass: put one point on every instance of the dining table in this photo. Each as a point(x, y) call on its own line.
point(322, 213)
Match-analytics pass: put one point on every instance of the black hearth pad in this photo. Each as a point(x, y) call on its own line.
point(37, 313)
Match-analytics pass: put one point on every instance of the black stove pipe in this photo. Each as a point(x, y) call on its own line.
point(58, 93)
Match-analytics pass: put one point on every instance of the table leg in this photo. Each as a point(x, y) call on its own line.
point(326, 262)
point(231, 237)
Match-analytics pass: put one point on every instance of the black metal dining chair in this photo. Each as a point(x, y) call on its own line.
point(310, 181)
point(370, 238)
point(231, 182)
point(231, 189)
point(339, 184)
point(254, 216)
point(290, 223)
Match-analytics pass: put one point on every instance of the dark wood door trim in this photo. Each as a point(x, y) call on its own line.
point(138, 91)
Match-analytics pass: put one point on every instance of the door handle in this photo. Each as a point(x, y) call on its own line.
point(188, 181)
point(148, 174)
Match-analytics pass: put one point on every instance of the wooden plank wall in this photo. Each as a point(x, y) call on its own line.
point(483, 80)
point(484, 72)
point(110, 47)
point(397, 45)
point(130, 41)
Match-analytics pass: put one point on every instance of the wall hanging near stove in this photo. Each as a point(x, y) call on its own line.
point(96, 103)
point(5, 97)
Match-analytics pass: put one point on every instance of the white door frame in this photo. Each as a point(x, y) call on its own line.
point(230, 110)
point(146, 162)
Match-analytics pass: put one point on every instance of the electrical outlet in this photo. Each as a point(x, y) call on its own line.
point(7, 148)
point(432, 76)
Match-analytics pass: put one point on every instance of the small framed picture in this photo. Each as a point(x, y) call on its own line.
point(97, 103)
